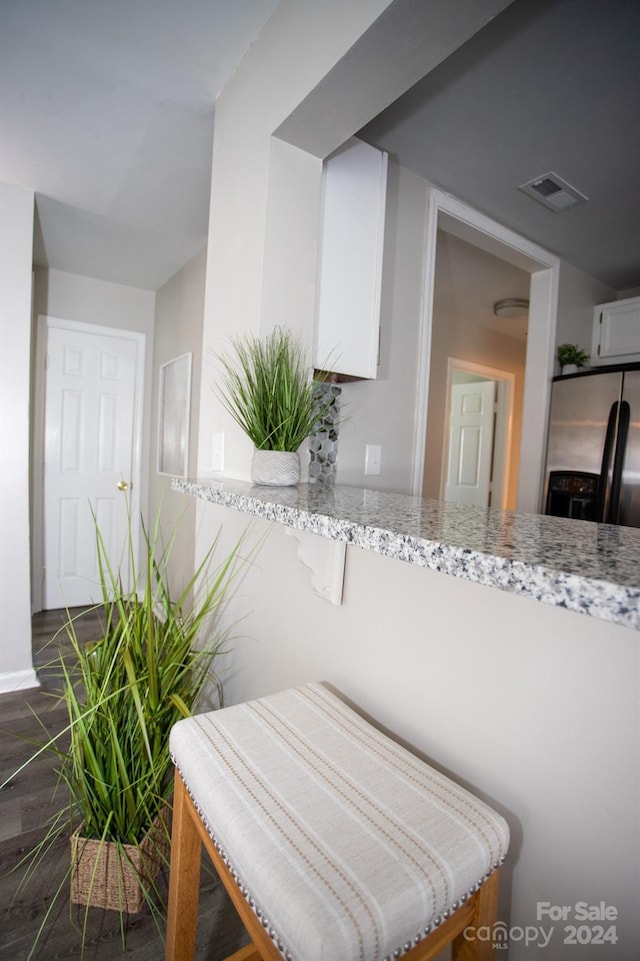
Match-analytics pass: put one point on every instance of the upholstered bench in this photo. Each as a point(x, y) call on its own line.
point(335, 843)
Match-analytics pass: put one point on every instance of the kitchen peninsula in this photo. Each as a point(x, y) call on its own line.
point(501, 647)
point(578, 565)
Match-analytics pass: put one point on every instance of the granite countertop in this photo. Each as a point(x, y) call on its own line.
point(590, 568)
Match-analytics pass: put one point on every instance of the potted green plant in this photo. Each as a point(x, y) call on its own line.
point(154, 661)
point(267, 390)
point(571, 357)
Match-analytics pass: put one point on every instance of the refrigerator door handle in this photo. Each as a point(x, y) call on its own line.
point(613, 514)
point(603, 503)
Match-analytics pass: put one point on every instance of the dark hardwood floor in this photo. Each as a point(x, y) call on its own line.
point(26, 804)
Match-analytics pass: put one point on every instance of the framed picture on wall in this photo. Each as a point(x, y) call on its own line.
point(174, 405)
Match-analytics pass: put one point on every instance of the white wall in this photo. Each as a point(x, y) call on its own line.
point(533, 707)
point(16, 243)
point(91, 301)
point(178, 331)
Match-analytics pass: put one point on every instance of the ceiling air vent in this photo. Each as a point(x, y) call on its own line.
point(554, 192)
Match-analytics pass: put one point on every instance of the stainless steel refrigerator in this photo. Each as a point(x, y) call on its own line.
point(593, 449)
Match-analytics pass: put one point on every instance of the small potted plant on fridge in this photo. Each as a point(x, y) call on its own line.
point(571, 357)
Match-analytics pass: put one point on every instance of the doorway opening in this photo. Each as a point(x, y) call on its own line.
point(87, 442)
point(455, 218)
point(476, 459)
point(468, 281)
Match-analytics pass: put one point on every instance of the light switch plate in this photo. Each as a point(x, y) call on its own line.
point(217, 451)
point(372, 459)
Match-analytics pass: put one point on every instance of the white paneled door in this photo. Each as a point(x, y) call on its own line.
point(92, 412)
point(471, 443)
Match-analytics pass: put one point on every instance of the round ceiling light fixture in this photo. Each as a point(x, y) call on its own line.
point(511, 307)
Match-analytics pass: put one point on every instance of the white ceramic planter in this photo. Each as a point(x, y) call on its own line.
point(275, 468)
point(569, 369)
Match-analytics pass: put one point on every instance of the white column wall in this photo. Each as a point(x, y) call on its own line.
point(16, 244)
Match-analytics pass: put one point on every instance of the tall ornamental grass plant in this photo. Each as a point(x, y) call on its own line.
point(125, 691)
point(267, 390)
point(152, 665)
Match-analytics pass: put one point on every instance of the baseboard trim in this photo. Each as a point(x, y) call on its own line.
point(18, 681)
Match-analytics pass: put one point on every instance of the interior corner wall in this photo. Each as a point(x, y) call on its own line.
point(16, 246)
point(178, 331)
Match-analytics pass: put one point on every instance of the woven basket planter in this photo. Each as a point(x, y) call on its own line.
point(117, 877)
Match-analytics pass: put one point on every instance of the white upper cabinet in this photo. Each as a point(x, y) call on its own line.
point(616, 332)
point(350, 262)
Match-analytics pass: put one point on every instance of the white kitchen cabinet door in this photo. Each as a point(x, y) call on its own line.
point(350, 262)
point(616, 332)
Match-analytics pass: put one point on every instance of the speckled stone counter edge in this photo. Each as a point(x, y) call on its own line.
point(596, 596)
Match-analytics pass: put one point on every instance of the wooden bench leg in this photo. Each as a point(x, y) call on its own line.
point(478, 911)
point(248, 953)
point(184, 879)
point(468, 947)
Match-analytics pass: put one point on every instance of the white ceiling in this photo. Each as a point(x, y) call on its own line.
point(107, 112)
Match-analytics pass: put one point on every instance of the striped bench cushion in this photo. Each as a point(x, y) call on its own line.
point(347, 846)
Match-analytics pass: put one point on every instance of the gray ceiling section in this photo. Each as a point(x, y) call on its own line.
point(549, 85)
